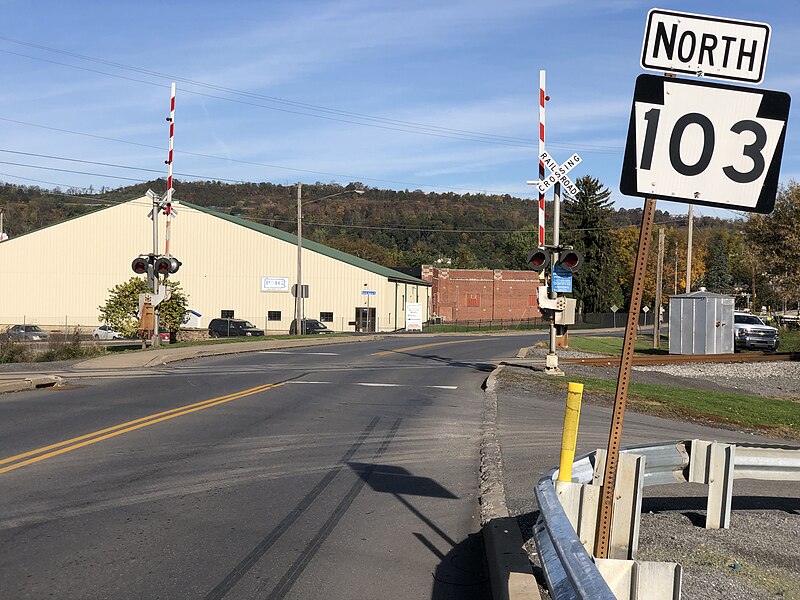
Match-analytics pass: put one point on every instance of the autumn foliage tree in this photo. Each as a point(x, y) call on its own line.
point(120, 310)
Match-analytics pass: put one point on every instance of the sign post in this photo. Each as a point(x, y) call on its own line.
point(696, 142)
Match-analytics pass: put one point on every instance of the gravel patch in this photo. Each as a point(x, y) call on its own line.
point(767, 379)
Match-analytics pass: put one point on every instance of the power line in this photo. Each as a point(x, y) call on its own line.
point(214, 178)
point(365, 120)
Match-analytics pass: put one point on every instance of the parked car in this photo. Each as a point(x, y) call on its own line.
point(232, 328)
point(26, 333)
point(104, 332)
point(310, 326)
point(750, 333)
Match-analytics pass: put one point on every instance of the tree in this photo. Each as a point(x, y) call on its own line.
point(587, 227)
point(718, 276)
point(120, 309)
point(775, 238)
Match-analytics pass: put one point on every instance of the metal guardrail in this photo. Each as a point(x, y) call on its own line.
point(570, 571)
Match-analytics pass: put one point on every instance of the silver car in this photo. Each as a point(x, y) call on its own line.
point(26, 333)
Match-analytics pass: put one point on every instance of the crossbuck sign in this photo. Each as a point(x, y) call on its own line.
point(558, 173)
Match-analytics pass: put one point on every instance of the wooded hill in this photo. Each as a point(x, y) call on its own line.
point(398, 228)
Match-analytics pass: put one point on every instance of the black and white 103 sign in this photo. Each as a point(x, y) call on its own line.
point(703, 143)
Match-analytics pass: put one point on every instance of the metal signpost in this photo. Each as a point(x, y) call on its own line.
point(695, 142)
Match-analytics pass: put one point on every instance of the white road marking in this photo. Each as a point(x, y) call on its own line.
point(301, 353)
point(372, 384)
point(379, 384)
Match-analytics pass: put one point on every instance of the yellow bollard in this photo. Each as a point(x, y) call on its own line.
point(569, 438)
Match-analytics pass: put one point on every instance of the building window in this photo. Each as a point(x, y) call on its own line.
point(273, 315)
point(326, 317)
point(473, 299)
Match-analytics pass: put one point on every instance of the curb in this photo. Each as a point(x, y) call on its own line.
point(30, 383)
point(510, 570)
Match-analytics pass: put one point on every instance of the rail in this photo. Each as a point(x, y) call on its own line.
point(570, 570)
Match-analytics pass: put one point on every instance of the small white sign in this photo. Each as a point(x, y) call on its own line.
point(274, 284)
point(413, 316)
point(705, 46)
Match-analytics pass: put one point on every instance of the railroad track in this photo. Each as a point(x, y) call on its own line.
point(678, 359)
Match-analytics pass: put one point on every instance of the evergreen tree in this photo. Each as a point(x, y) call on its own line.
point(586, 225)
point(718, 276)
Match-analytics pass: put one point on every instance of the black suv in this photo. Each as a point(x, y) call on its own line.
point(309, 326)
point(232, 328)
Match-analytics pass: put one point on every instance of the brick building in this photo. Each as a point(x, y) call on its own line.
point(482, 294)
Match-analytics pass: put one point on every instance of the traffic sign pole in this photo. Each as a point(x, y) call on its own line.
point(621, 397)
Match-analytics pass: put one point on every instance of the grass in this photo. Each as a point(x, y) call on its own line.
point(751, 412)
point(613, 345)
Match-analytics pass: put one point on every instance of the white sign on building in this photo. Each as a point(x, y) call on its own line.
point(274, 284)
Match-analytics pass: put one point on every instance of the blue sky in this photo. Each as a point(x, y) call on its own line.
point(416, 94)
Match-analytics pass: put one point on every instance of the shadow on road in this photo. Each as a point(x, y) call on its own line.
point(461, 573)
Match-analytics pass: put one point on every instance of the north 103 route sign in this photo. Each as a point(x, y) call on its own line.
point(705, 143)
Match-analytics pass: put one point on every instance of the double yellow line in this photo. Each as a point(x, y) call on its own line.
point(34, 456)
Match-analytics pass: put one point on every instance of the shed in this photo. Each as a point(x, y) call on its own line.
point(701, 323)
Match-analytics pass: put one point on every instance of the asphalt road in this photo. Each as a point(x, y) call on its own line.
point(329, 472)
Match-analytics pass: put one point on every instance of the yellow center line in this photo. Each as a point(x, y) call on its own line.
point(407, 348)
point(110, 432)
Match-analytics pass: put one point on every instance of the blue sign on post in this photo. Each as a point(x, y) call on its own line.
point(561, 280)
point(368, 293)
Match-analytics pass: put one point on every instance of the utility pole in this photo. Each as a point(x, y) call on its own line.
point(659, 276)
point(675, 288)
point(689, 251)
point(298, 298)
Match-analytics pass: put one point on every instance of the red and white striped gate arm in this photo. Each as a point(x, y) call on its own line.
point(168, 208)
point(542, 98)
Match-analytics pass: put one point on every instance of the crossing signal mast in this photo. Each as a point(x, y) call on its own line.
point(155, 265)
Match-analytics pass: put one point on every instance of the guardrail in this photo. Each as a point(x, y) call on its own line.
point(564, 533)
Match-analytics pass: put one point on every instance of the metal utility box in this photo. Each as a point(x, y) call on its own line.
point(701, 323)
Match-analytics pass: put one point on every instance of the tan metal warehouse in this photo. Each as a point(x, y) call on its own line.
point(59, 275)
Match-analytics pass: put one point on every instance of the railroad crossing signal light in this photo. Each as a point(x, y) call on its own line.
point(538, 260)
point(569, 261)
point(140, 264)
point(165, 265)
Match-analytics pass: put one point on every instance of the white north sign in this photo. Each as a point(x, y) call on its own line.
point(705, 46)
point(705, 143)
